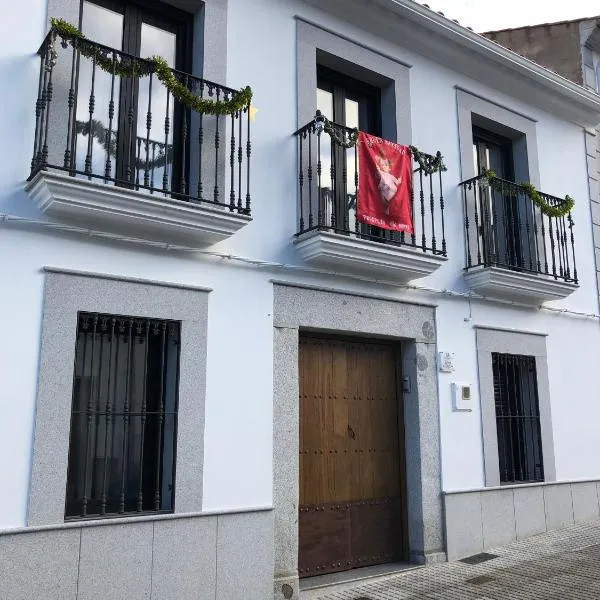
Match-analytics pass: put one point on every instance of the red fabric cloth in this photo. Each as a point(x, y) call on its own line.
point(384, 182)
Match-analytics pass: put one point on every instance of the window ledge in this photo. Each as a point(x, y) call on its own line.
point(393, 264)
point(129, 212)
point(527, 288)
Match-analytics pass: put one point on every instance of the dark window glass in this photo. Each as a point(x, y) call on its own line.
point(136, 123)
point(124, 416)
point(353, 104)
point(517, 418)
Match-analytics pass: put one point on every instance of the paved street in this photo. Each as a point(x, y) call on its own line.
point(562, 565)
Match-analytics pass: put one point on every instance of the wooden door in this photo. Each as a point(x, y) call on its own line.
point(351, 456)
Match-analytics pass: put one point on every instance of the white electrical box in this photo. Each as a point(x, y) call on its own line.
point(446, 362)
point(462, 397)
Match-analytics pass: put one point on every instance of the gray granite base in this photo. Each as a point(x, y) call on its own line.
point(478, 520)
point(205, 557)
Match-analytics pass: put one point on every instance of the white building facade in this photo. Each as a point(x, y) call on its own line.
point(214, 381)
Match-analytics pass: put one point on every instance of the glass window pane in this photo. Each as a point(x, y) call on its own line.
point(325, 103)
point(152, 154)
point(105, 27)
point(352, 119)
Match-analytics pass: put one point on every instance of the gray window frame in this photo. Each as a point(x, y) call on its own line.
point(512, 342)
point(65, 294)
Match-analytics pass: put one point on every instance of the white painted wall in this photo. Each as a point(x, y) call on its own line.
point(238, 463)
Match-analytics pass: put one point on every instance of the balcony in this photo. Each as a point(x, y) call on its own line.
point(115, 151)
point(329, 234)
point(514, 251)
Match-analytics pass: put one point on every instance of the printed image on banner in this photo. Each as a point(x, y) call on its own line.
point(385, 171)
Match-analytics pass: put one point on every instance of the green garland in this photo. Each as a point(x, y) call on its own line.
point(348, 139)
point(126, 67)
point(429, 164)
point(340, 138)
point(561, 210)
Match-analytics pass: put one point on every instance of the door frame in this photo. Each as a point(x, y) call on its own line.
point(399, 399)
point(299, 308)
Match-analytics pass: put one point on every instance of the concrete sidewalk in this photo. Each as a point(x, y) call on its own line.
point(560, 565)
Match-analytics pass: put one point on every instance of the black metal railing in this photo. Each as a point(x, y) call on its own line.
point(328, 188)
point(505, 228)
point(133, 132)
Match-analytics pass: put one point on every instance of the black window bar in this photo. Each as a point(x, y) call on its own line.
point(124, 416)
point(517, 418)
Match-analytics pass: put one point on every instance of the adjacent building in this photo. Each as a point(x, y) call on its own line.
point(216, 381)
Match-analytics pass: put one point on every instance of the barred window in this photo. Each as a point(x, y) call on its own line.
point(124, 416)
point(517, 418)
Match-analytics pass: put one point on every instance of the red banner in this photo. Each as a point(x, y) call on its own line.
point(384, 182)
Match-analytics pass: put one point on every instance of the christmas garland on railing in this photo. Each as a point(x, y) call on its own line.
point(562, 210)
point(349, 138)
point(126, 67)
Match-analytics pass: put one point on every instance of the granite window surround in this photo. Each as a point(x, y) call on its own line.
point(65, 294)
point(512, 342)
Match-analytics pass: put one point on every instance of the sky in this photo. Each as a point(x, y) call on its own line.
point(488, 15)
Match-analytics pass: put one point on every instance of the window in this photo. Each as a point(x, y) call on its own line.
point(131, 118)
point(124, 416)
point(517, 418)
point(353, 104)
point(507, 219)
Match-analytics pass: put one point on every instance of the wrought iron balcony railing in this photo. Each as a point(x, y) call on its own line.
point(115, 129)
point(328, 188)
point(505, 228)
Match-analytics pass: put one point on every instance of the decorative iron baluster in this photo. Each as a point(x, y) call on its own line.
point(552, 248)
point(344, 204)
point(138, 166)
point(477, 194)
point(422, 199)
point(571, 224)
point(412, 211)
point(465, 201)
point(356, 190)
point(48, 102)
point(36, 157)
point(126, 405)
point(111, 115)
point(90, 132)
point(544, 243)
point(248, 154)
point(563, 248)
point(200, 143)
point(334, 191)
point(154, 164)
point(148, 127)
point(131, 139)
point(520, 259)
point(109, 420)
point(432, 209)
point(494, 250)
point(506, 227)
point(537, 243)
point(70, 120)
point(240, 158)
point(558, 247)
point(90, 412)
point(184, 133)
point(165, 181)
point(232, 166)
point(319, 169)
point(217, 145)
point(301, 139)
point(528, 232)
point(444, 253)
point(161, 418)
point(140, 495)
point(310, 180)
